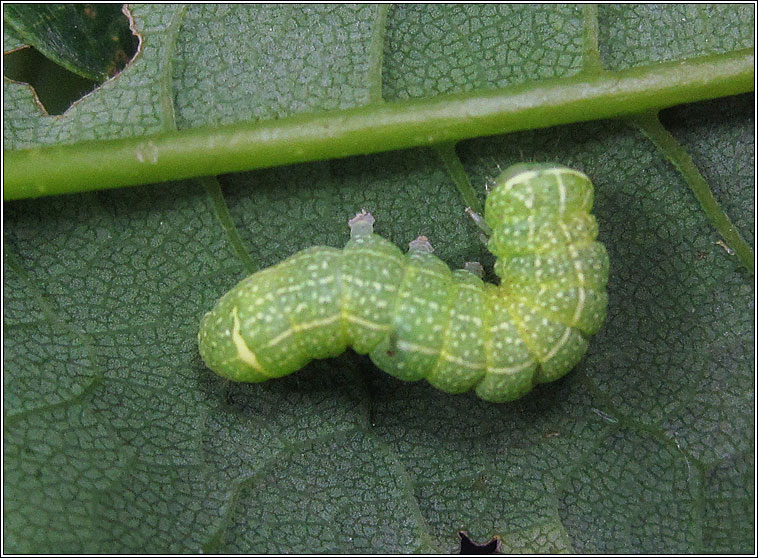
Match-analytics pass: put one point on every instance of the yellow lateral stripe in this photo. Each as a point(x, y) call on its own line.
point(406, 346)
point(366, 323)
point(459, 361)
point(511, 369)
point(302, 327)
point(243, 351)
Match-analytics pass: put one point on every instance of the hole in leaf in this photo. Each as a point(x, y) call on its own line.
point(55, 86)
point(72, 49)
point(468, 546)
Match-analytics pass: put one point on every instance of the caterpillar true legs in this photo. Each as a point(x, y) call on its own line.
point(415, 317)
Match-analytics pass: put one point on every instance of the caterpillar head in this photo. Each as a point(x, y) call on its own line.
point(542, 189)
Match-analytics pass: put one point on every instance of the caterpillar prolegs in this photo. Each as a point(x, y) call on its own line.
point(417, 319)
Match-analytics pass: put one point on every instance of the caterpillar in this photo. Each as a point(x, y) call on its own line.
point(417, 319)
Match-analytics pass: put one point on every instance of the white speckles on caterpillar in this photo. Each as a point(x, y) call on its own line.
point(416, 318)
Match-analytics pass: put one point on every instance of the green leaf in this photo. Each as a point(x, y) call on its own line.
point(90, 40)
point(118, 439)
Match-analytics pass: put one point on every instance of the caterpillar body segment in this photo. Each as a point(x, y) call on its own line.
point(417, 319)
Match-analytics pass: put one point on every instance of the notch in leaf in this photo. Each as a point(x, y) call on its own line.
point(68, 49)
point(468, 546)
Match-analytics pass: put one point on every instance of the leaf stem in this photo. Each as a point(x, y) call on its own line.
point(649, 124)
point(376, 53)
point(591, 63)
point(213, 189)
point(455, 169)
point(244, 146)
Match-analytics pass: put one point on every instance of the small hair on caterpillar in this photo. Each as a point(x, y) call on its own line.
point(417, 319)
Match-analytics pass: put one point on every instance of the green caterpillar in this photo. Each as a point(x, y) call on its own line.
point(414, 317)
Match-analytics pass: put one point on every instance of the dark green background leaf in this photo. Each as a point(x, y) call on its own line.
point(91, 40)
point(118, 439)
